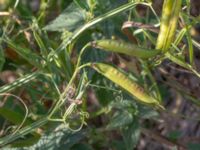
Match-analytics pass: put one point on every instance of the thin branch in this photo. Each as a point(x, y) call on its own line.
point(162, 139)
point(5, 13)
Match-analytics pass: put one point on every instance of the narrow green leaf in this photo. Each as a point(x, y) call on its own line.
point(178, 61)
point(40, 43)
point(196, 44)
point(190, 45)
point(19, 82)
point(2, 58)
point(188, 35)
point(182, 63)
point(150, 37)
point(180, 36)
point(12, 116)
point(82, 4)
point(27, 54)
point(26, 142)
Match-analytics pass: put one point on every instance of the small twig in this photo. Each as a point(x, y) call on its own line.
point(18, 21)
point(125, 30)
point(179, 69)
point(162, 139)
point(140, 25)
point(189, 139)
point(5, 13)
point(171, 82)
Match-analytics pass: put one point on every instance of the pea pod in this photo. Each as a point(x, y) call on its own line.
point(121, 79)
point(170, 15)
point(125, 48)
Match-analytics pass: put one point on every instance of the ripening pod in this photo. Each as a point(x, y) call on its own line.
point(168, 26)
point(122, 47)
point(122, 80)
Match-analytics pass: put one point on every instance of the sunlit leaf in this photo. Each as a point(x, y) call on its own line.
point(119, 119)
point(131, 135)
point(72, 18)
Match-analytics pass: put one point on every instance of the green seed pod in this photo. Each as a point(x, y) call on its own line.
point(121, 79)
point(125, 48)
point(170, 15)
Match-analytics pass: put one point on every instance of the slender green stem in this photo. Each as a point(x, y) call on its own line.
point(99, 19)
point(69, 110)
point(23, 131)
point(10, 138)
point(63, 95)
point(77, 69)
point(19, 82)
point(81, 53)
point(182, 64)
point(158, 96)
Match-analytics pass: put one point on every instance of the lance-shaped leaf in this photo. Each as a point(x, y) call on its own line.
point(72, 18)
point(33, 58)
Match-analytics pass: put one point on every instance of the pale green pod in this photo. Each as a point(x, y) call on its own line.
point(169, 19)
point(121, 79)
point(125, 48)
